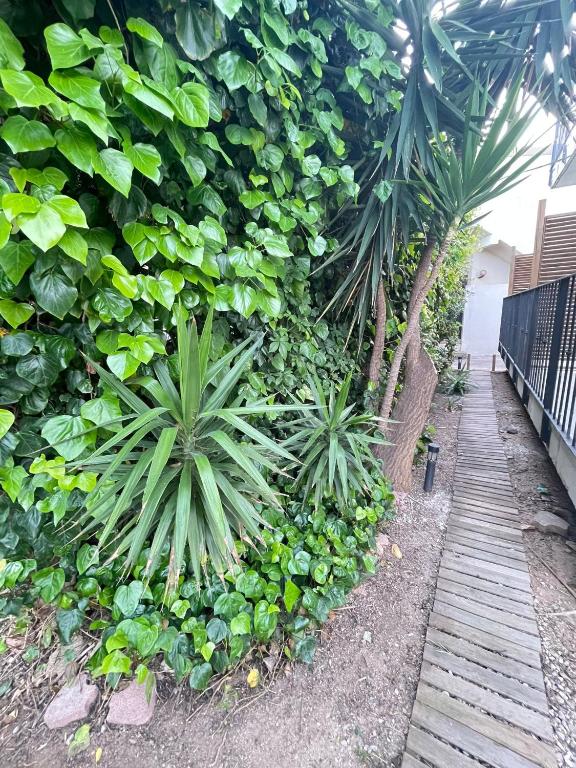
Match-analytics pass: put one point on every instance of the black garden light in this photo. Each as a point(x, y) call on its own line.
point(433, 451)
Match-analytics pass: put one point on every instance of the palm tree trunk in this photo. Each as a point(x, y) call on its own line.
point(379, 340)
point(424, 278)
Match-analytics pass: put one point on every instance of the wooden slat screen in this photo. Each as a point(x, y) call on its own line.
point(558, 257)
point(522, 271)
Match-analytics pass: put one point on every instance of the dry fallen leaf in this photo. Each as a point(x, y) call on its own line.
point(98, 755)
point(396, 551)
point(253, 678)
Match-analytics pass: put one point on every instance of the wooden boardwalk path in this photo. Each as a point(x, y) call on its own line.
point(481, 699)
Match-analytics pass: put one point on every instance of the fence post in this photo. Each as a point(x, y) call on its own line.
point(531, 328)
point(554, 356)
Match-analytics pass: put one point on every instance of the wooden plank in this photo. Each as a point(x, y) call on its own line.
point(475, 673)
point(469, 500)
point(484, 639)
point(490, 702)
point(485, 574)
point(461, 735)
point(437, 752)
point(520, 639)
point(514, 570)
point(488, 571)
point(476, 491)
point(497, 479)
point(510, 520)
point(521, 623)
point(504, 548)
point(486, 539)
point(507, 747)
point(480, 554)
point(479, 596)
point(474, 581)
point(514, 668)
point(482, 526)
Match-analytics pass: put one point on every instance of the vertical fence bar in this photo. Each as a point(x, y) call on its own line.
point(554, 356)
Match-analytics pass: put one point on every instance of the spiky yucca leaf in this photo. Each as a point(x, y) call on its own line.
point(185, 467)
point(334, 445)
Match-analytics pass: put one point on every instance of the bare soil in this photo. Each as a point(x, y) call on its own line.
point(350, 709)
point(538, 487)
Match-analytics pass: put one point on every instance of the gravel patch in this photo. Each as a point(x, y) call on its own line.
point(351, 709)
point(538, 488)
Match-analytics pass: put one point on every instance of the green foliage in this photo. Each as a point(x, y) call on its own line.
point(334, 445)
point(183, 467)
point(455, 382)
point(282, 593)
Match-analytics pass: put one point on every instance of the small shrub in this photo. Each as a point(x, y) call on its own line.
point(184, 467)
point(334, 445)
point(455, 382)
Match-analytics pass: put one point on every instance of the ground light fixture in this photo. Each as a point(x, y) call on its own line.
point(433, 451)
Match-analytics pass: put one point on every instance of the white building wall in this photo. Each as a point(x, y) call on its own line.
point(487, 287)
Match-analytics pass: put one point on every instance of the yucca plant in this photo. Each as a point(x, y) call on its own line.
point(186, 466)
point(334, 445)
point(456, 382)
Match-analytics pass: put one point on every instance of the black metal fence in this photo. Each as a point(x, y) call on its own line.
point(538, 335)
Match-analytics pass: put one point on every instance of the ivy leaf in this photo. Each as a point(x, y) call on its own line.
point(115, 168)
point(11, 51)
point(116, 663)
point(217, 630)
point(265, 619)
point(111, 305)
point(68, 622)
point(16, 258)
point(146, 159)
point(200, 676)
point(198, 31)
point(65, 47)
point(195, 169)
point(87, 556)
point(68, 435)
point(23, 135)
point(74, 245)
point(291, 594)
point(6, 421)
point(252, 198)
point(258, 108)
point(26, 88)
point(45, 227)
point(69, 210)
point(228, 7)
point(15, 314)
point(161, 290)
point(145, 30)
point(40, 370)
point(243, 298)
point(54, 292)
point(192, 102)
point(77, 145)
point(127, 597)
point(50, 581)
point(79, 88)
point(233, 69)
point(240, 624)
point(123, 364)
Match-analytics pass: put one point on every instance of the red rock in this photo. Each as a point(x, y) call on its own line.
point(71, 703)
point(130, 706)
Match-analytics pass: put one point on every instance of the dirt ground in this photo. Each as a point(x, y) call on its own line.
point(350, 709)
point(538, 487)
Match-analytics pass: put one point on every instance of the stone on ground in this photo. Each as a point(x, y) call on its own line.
point(547, 522)
point(131, 706)
point(71, 703)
